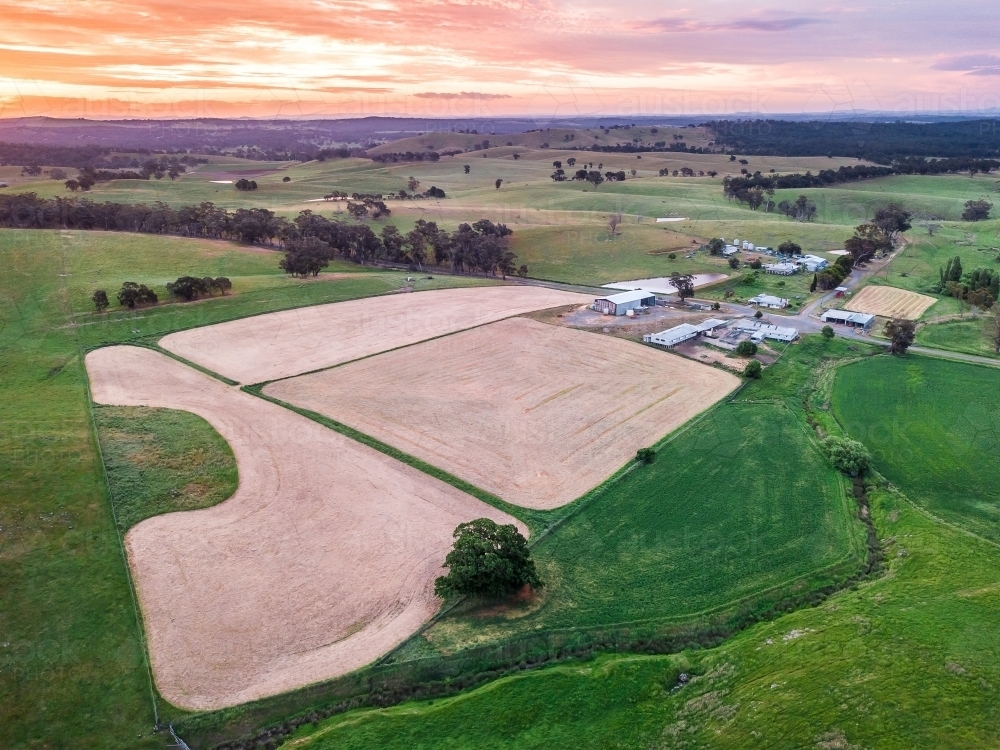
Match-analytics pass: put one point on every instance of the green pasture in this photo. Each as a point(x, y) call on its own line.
point(969, 336)
point(161, 461)
point(740, 502)
point(933, 428)
point(587, 254)
point(941, 197)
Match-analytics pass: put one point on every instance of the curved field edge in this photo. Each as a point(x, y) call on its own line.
point(162, 461)
point(416, 671)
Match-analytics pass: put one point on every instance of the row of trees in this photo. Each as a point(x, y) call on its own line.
point(191, 287)
point(832, 276)
point(407, 156)
point(165, 166)
point(249, 225)
point(133, 294)
point(481, 247)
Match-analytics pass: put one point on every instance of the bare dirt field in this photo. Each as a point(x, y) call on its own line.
point(890, 302)
point(536, 414)
point(291, 342)
point(322, 560)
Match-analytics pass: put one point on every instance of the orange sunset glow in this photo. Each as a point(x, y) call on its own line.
point(153, 58)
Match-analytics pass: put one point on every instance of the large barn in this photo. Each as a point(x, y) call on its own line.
point(619, 304)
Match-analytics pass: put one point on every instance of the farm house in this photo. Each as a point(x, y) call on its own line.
point(769, 301)
point(813, 263)
point(848, 318)
point(619, 304)
point(782, 269)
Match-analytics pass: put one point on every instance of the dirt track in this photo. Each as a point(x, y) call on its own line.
point(534, 413)
point(290, 342)
point(322, 560)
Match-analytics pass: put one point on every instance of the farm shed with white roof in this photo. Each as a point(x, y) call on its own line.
point(848, 318)
point(618, 304)
point(672, 336)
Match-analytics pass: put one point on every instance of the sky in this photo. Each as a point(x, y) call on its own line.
point(338, 58)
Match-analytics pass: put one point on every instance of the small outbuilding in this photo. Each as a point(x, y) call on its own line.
point(619, 304)
point(708, 326)
point(730, 250)
point(769, 301)
point(848, 318)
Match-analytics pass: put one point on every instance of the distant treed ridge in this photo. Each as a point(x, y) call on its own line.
point(880, 142)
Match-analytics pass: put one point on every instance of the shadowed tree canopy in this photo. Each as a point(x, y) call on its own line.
point(683, 283)
point(487, 560)
point(306, 257)
point(976, 210)
point(901, 334)
point(132, 294)
point(100, 300)
point(892, 219)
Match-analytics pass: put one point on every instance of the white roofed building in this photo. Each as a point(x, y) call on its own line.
point(619, 304)
point(672, 336)
point(759, 331)
point(769, 301)
point(848, 318)
point(782, 269)
point(813, 263)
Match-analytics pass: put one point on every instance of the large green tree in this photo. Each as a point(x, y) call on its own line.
point(900, 334)
point(847, 455)
point(487, 560)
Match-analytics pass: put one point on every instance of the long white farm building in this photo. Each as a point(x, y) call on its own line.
point(619, 304)
point(683, 332)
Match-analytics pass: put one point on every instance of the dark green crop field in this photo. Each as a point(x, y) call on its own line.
point(933, 428)
point(740, 502)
